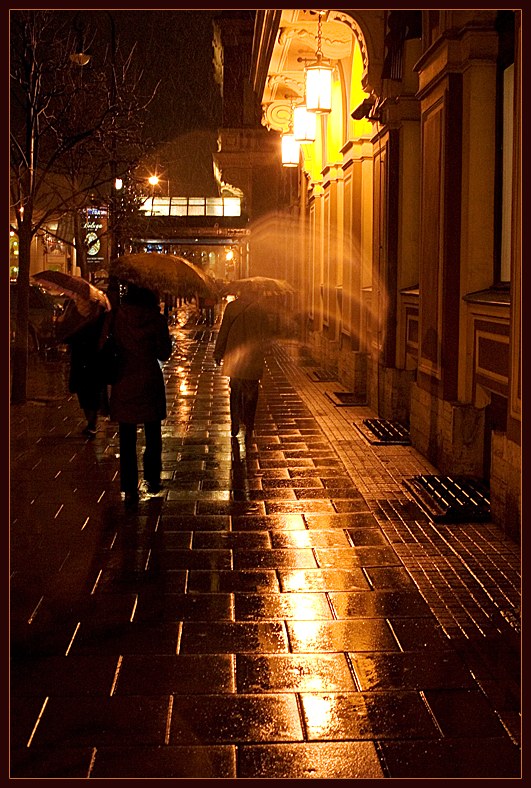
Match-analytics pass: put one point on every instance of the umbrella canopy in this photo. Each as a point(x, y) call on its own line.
point(89, 301)
point(258, 286)
point(166, 273)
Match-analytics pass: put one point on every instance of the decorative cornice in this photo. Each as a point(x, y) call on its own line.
point(293, 81)
point(334, 46)
point(277, 115)
point(338, 16)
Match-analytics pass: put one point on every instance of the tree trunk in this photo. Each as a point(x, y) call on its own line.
point(20, 348)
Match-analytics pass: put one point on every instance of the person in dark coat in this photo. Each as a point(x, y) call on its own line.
point(139, 396)
point(240, 345)
point(84, 379)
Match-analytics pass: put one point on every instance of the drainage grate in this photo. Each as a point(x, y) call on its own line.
point(344, 398)
point(451, 499)
point(383, 431)
point(319, 376)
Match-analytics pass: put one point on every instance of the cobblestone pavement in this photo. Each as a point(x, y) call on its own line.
point(284, 609)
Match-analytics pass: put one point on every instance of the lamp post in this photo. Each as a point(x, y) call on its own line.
point(81, 58)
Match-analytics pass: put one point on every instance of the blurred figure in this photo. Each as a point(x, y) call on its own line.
point(240, 344)
point(84, 378)
point(169, 306)
point(209, 305)
point(139, 396)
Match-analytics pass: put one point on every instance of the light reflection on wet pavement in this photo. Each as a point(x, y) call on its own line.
point(282, 610)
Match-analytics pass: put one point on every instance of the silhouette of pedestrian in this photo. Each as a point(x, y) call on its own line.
point(84, 378)
point(139, 396)
point(240, 344)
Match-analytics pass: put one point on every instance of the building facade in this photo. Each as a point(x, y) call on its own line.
point(403, 228)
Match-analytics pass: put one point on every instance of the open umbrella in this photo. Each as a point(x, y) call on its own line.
point(166, 273)
point(89, 300)
point(258, 286)
point(86, 303)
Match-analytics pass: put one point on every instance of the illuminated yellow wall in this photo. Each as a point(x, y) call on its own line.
point(334, 123)
point(338, 126)
point(312, 154)
point(357, 128)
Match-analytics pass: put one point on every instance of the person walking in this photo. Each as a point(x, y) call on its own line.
point(209, 304)
point(84, 378)
point(240, 345)
point(139, 396)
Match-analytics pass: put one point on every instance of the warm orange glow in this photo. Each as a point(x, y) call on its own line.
point(290, 151)
point(335, 138)
point(362, 127)
point(80, 58)
point(319, 88)
point(304, 124)
point(318, 709)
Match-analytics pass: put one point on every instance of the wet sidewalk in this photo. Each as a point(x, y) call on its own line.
point(284, 609)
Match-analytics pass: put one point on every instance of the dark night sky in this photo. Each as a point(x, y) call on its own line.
point(174, 46)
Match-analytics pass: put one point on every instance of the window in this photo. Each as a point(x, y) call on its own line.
point(231, 206)
point(179, 206)
point(214, 206)
point(196, 206)
point(192, 206)
point(504, 148)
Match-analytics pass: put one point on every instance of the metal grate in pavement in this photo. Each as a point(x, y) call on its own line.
point(320, 376)
point(451, 499)
point(344, 398)
point(383, 431)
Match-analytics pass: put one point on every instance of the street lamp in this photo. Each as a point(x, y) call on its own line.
point(290, 150)
point(304, 124)
point(81, 58)
point(290, 145)
point(319, 79)
point(154, 180)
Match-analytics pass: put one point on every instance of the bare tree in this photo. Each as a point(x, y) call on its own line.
point(76, 123)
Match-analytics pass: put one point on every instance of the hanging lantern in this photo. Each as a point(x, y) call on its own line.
point(304, 124)
point(319, 80)
point(319, 89)
point(290, 150)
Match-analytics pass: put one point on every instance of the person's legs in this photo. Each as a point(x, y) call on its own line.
point(91, 416)
point(152, 457)
point(235, 405)
point(89, 398)
point(128, 460)
point(104, 408)
point(249, 403)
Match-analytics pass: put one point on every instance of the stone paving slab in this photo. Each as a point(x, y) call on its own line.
point(284, 609)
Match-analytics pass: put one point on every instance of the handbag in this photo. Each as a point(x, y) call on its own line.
point(110, 360)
